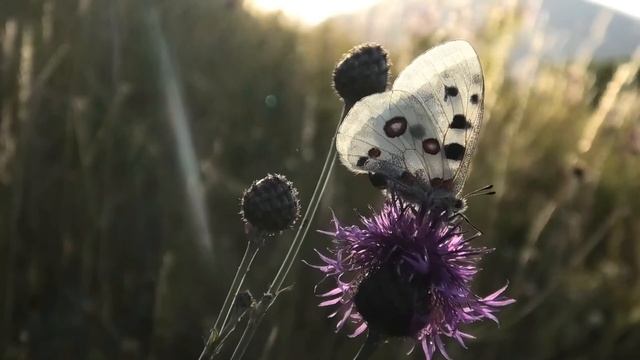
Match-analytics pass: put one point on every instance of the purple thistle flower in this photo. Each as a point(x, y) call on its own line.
point(406, 272)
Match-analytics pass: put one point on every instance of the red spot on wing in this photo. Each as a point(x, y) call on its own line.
point(431, 146)
point(395, 127)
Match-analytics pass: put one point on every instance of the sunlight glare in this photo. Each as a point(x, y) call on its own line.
point(312, 12)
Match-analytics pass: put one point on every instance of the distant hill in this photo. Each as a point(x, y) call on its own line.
point(394, 22)
point(574, 18)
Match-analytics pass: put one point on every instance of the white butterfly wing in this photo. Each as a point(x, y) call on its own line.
point(385, 133)
point(448, 81)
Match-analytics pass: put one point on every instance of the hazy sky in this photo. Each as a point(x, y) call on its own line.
point(312, 12)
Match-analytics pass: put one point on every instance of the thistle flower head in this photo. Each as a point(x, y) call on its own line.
point(406, 272)
point(363, 71)
point(271, 204)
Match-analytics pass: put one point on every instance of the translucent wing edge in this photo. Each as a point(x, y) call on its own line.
point(462, 172)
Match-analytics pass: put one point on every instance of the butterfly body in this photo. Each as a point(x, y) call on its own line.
point(417, 139)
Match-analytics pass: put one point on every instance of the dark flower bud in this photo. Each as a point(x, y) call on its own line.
point(392, 303)
point(363, 71)
point(271, 204)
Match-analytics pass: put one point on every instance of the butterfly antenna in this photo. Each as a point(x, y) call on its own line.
point(485, 190)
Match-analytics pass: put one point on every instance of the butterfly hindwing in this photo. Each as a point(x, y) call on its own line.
point(448, 81)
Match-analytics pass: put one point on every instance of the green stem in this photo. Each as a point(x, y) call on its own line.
point(247, 335)
point(310, 213)
point(217, 332)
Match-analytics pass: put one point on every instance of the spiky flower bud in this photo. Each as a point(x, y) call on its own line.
point(363, 71)
point(271, 204)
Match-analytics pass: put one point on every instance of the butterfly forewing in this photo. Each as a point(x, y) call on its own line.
point(448, 81)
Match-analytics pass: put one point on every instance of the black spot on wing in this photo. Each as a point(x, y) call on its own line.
point(474, 99)
point(459, 122)
point(361, 161)
point(454, 151)
point(450, 91)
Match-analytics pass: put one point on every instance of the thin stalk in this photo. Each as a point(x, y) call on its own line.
point(310, 213)
point(292, 254)
point(216, 335)
point(247, 334)
point(253, 246)
point(276, 285)
point(369, 346)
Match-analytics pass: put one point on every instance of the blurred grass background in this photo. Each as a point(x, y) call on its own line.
point(99, 253)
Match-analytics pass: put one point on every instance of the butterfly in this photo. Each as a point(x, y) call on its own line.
point(418, 138)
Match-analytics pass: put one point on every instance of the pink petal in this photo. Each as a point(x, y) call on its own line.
point(441, 347)
point(324, 258)
point(326, 232)
point(359, 330)
point(497, 293)
point(500, 302)
point(427, 349)
point(344, 318)
point(330, 302)
point(335, 291)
